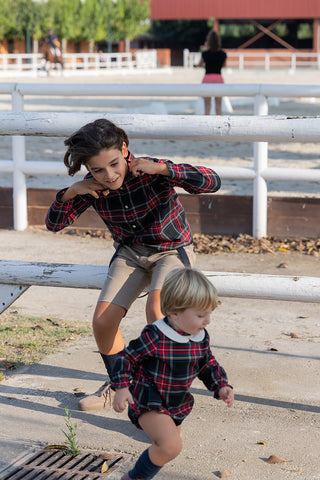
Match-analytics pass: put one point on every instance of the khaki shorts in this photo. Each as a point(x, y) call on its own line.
point(139, 268)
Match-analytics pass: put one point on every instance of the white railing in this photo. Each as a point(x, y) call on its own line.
point(89, 62)
point(258, 129)
point(242, 60)
point(17, 276)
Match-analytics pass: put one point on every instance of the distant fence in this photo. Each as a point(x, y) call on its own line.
point(17, 276)
point(262, 60)
point(102, 62)
point(258, 129)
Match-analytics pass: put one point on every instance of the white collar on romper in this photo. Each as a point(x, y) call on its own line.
point(176, 336)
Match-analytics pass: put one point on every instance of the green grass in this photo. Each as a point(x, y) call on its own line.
point(25, 339)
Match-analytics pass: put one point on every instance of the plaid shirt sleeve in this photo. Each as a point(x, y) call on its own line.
point(212, 374)
point(193, 179)
point(144, 346)
point(61, 214)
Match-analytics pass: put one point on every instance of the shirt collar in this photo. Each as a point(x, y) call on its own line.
point(171, 333)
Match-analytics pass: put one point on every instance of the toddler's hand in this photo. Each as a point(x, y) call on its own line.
point(226, 394)
point(122, 396)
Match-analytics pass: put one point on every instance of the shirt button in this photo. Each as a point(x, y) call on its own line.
point(126, 206)
point(133, 226)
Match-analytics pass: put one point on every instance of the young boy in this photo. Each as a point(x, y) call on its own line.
point(136, 200)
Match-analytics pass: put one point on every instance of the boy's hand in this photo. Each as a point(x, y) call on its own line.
point(121, 398)
point(142, 165)
point(84, 187)
point(226, 394)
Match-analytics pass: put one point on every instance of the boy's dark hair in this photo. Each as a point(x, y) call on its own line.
point(90, 140)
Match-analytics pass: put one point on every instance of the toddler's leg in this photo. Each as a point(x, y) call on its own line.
point(165, 435)
point(166, 446)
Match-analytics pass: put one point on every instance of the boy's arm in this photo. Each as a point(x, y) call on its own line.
point(193, 179)
point(72, 201)
point(63, 213)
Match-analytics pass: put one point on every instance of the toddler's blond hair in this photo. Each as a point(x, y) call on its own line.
point(187, 288)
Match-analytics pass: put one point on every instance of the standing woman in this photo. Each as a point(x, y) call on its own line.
point(213, 58)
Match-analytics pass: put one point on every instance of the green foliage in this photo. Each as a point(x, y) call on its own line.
point(71, 435)
point(65, 18)
point(129, 19)
point(74, 19)
point(305, 31)
point(237, 30)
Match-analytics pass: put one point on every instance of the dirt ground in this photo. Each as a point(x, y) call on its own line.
point(276, 375)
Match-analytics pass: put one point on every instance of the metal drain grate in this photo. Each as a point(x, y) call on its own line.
point(56, 465)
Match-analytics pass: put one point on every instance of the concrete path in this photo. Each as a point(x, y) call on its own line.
point(276, 377)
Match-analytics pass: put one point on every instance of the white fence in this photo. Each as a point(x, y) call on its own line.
point(258, 129)
point(266, 61)
point(17, 276)
point(88, 62)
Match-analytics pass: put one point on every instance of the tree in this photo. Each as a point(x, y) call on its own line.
point(7, 18)
point(65, 18)
point(129, 19)
point(92, 20)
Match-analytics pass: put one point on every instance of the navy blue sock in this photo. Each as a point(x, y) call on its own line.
point(144, 468)
point(109, 361)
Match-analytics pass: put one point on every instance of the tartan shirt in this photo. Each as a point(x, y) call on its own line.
point(160, 366)
point(145, 210)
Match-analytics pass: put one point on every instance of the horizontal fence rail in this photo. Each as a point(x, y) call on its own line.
point(162, 127)
point(162, 90)
point(266, 60)
point(258, 129)
point(228, 284)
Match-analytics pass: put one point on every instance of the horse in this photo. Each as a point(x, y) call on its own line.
point(51, 56)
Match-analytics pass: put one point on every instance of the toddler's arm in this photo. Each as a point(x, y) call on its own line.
point(121, 397)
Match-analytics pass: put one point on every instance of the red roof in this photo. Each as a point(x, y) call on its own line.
point(234, 9)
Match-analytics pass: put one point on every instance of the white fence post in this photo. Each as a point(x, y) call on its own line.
point(20, 212)
point(260, 191)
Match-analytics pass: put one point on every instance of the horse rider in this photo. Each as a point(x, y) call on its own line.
point(54, 43)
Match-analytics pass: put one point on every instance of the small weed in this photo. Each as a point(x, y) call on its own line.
point(71, 444)
point(2, 376)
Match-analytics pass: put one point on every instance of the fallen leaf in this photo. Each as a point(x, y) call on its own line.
point(294, 335)
point(56, 447)
point(297, 471)
point(261, 443)
point(224, 474)
point(104, 467)
point(275, 459)
point(282, 265)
